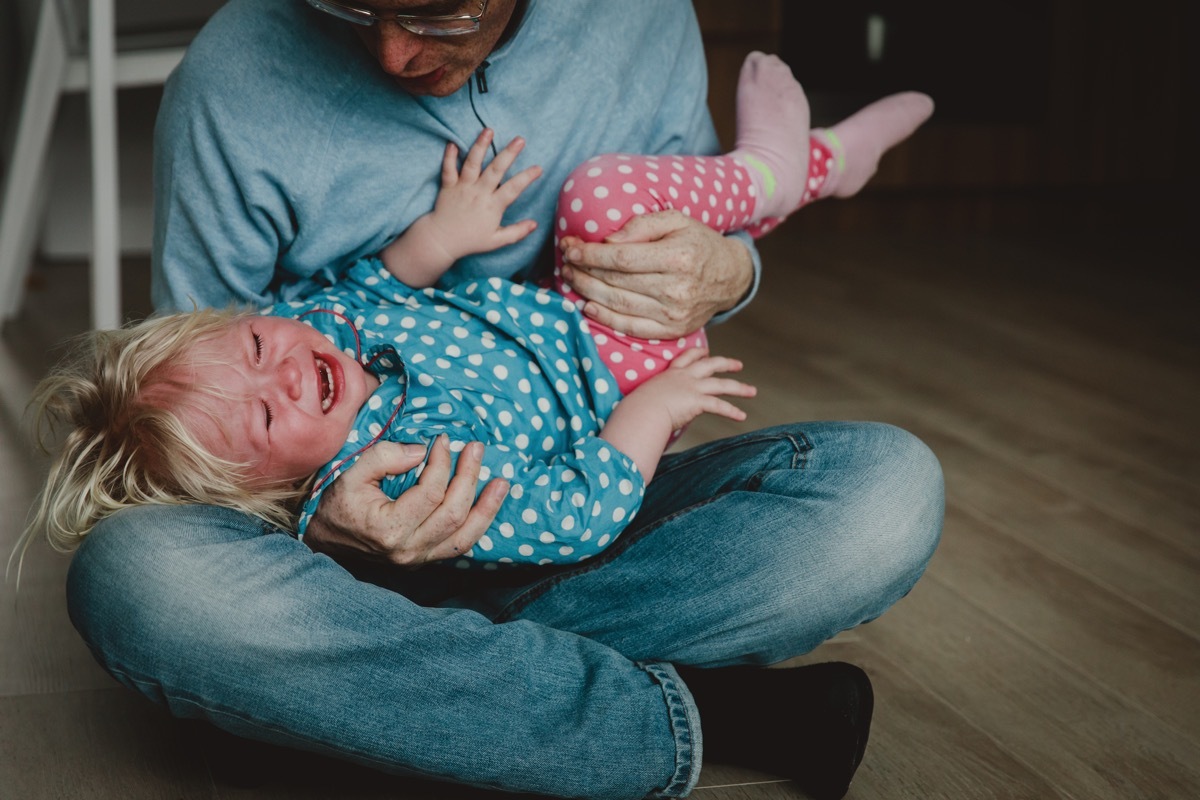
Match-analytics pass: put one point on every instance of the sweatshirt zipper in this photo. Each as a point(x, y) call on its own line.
point(480, 85)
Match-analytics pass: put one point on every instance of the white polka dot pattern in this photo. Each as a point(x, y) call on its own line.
point(820, 164)
point(601, 196)
point(501, 376)
point(528, 383)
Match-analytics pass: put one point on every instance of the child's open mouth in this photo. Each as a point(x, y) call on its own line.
point(327, 373)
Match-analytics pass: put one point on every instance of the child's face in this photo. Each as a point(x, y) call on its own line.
point(288, 397)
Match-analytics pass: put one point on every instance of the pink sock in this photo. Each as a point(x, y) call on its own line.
point(860, 140)
point(772, 134)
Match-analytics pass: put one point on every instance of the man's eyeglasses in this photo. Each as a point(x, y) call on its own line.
point(444, 25)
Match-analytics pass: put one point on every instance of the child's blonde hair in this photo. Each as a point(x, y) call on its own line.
point(119, 394)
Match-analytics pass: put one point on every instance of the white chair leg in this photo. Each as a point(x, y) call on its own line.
point(106, 247)
point(23, 189)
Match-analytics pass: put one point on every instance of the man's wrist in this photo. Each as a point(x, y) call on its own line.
point(743, 280)
point(746, 243)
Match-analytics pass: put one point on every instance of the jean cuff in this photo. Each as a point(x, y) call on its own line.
point(685, 727)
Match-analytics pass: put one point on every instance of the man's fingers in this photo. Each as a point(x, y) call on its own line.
point(454, 505)
point(640, 327)
point(431, 487)
point(637, 247)
point(618, 257)
point(461, 490)
point(646, 304)
point(647, 283)
point(633, 313)
point(382, 459)
point(621, 298)
point(651, 227)
point(476, 524)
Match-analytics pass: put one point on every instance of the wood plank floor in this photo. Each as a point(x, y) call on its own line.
point(1051, 651)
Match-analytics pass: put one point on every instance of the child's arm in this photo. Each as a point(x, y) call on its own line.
point(642, 423)
point(466, 216)
point(571, 505)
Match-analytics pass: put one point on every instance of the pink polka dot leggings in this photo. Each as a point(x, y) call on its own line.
point(603, 193)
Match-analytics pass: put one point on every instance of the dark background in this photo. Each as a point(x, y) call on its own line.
point(1050, 113)
point(1053, 116)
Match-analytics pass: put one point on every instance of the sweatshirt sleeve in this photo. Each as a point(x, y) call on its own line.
point(238, 161)
point(684, 124)
point(218, 226)
point(561, 510)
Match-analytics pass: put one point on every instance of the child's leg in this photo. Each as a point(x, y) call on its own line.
point(773, 127)
point(603, 193)
point(776, 168)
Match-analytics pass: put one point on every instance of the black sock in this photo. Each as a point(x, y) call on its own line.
point(809, 723)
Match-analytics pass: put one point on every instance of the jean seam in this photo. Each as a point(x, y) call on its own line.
point(801, 445)
point(685, 730)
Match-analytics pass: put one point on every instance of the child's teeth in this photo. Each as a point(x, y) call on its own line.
point(326, 385)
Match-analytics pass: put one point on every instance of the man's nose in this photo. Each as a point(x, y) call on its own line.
point(396, 47)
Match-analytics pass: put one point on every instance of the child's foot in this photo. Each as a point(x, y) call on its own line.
point(772, 133)
point(860, 140)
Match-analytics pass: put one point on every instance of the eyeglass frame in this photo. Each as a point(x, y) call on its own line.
point(367, 18)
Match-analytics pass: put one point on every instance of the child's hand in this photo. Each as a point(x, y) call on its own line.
point(641, 425)
point(466, 215)
point(689, 388)
point(468, 211)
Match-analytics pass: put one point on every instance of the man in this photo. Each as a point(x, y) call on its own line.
point(294, 140)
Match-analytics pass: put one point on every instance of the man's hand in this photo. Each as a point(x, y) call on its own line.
point(659, 277)
point(438, 518)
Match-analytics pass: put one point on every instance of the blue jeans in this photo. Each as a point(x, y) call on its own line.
point(748, 550)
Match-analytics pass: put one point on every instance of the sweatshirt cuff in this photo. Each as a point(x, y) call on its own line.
point(756, 260)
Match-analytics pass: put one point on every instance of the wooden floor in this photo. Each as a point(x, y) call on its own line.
point(1051, 651)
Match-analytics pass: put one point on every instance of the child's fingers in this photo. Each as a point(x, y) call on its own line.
point(689, 357)
point(727, 386)
point(450, 165)
point(711, 365)
point(512, 188)
point(510, 234)
point(723, 408)
point(474, 162)
point(703, 365)
point(503, 160)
